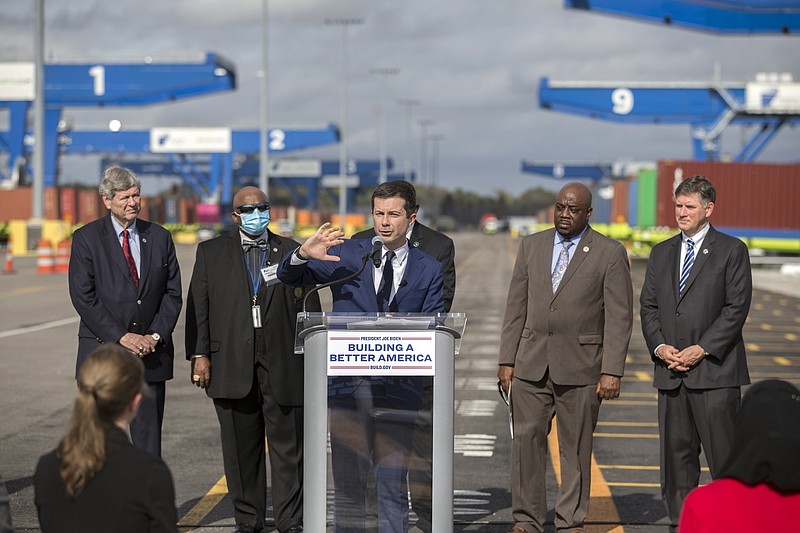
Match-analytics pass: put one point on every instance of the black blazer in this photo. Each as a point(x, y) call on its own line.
point(110, 305)
point(711, 312)
point(435, 244)
point(219, 323)
point(132, 493)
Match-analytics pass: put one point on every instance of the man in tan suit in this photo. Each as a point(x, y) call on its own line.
point(563, 345)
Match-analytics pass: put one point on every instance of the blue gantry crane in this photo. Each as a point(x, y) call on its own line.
point(771, 102)
point(96, 85)
point(204, 157)
point(717, 16)
point(304, 179)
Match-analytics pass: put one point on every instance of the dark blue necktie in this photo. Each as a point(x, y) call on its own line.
point(385, 290)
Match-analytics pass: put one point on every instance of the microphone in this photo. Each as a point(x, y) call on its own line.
point(377, 248)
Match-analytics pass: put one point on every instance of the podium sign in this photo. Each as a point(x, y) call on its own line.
point(370, 353)
point(353, 360)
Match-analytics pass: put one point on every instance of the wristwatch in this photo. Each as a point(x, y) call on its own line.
point(156, 336)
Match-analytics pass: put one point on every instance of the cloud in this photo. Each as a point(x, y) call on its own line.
point(474, 64)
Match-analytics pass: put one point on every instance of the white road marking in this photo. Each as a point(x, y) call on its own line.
point(39, 327)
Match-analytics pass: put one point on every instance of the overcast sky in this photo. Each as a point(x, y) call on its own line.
point(475, 65)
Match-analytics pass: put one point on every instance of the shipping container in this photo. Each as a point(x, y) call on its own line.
point(170, 210)
point(186, 211)
point(749, 195)
point(633, 202)
point(16, 204)
point(619, 202)
point(277, 212)
point(208, 214)
point(90, 206)
point(601, 209)
point(646, 195)
point(69, 204)
point(51, 210)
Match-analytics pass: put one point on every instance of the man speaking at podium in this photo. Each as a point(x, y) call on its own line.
point(398, 278)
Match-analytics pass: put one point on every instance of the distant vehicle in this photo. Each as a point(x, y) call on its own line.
point(489, 223)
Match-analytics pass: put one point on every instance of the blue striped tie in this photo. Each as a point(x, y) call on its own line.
point(688, 261)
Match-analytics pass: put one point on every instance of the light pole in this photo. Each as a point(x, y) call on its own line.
point(263, 166)
point(423, 161)
point(435, 139)
point(384, 73)
point(344, 23)
point(409, 103)
point(38, 115)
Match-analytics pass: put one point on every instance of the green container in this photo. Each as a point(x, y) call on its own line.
point(646, 198)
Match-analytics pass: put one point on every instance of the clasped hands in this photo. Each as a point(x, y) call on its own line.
point(680, 360)
point(316, 246)
point(140, 345)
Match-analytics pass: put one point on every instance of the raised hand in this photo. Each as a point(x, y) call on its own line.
point(316, 246)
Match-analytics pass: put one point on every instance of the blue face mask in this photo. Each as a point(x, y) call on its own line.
point(256, 222)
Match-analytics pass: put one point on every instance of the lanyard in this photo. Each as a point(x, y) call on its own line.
point(255, 279)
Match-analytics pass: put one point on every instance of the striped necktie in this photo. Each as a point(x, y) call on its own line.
point(688, 261)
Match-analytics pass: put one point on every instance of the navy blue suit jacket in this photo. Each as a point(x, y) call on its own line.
point(110, 305)
point(421, 289)
point(711, 312)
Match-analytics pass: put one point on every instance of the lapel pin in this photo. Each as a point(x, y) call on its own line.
point(274, 249)
point(416, 244)
point(585, 248)
point(144, 240)
point(705, 250)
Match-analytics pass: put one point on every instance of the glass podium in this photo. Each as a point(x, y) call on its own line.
point(365, 375)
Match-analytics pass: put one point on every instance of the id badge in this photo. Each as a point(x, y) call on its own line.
point(270, 275)
point(256, 312)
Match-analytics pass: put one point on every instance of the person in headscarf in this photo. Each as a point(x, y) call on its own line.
point(759, 486)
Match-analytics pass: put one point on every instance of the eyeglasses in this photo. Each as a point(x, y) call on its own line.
point(249, 208)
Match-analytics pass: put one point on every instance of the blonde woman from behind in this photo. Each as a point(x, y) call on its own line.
point(96, 480)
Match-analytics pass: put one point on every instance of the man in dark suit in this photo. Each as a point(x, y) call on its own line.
point(694, 304)
point(563, 344)
point(125, 284)
point(240, 326)
point(372, 419)
point(440, 247)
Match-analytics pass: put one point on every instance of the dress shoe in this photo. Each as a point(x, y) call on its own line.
point(244, 528)
point(294, 529)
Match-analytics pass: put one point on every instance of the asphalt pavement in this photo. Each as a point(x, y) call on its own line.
point(38, 329)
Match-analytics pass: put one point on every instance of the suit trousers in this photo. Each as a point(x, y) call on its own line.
point(146, 427)
point(420, 470)
point(688, 418)
point(534, 405)
point(368, 434)
point(243, 424)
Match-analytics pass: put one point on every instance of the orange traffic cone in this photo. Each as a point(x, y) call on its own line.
point(62, 257)
point(44, 257)
point(9, 257)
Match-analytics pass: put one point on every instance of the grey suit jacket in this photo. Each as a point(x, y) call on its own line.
point(711, 312)
point(583, 329)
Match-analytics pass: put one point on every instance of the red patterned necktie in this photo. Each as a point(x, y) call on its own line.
point(126, 249)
